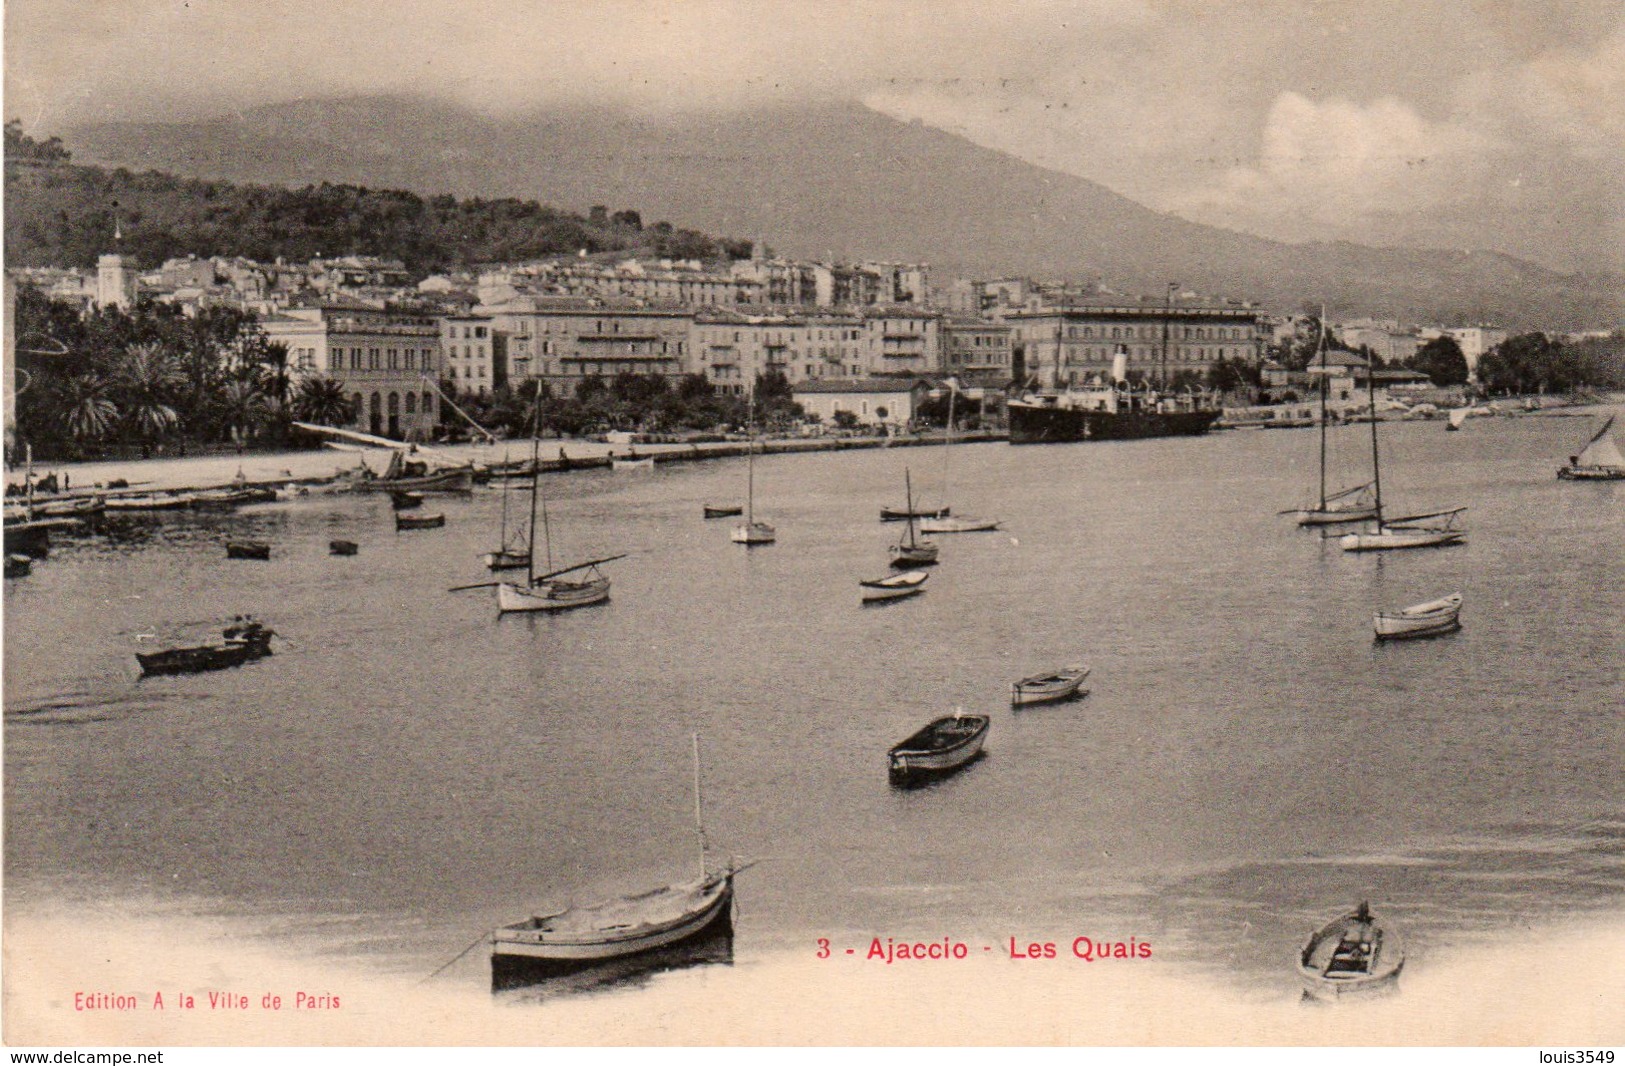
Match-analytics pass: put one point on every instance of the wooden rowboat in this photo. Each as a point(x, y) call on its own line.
point(894, 586)
point(1422, 620)
point(940, 748)
point(247, 549)
point(245, 641)
point(425, 521)
point(958, 525)
point(405, 501)
point(712, 511)
point(1353, 954)
point(342, 547)
point(903, 514)
point(593, 935)
point(1048, 688)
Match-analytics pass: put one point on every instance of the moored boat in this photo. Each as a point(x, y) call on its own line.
point(958, 525)
point(1352, 954)
point(1434, 529)
point(631, 462)
point(1421, 620)
point(416, 521)
point(405, 500)
point(622, 928)
point(910, 550)
point(725, 511)
point(751, 531)
point(939, 748)
point(1599, 460)
point(18, 565)
point(900, 514)
point(894, 586)
point(247, 549)
point(551, 591)
point(245, 640)
point(342, 547)
point(580, 937)
point(1049, 688)
point(151, 501)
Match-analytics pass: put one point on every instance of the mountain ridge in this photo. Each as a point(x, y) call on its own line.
point(839, 180)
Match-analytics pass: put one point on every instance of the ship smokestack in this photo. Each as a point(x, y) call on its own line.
point(1120, 365)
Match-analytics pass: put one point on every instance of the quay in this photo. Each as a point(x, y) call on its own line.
point(323, 466)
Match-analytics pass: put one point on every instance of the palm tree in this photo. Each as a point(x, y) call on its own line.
point(87, 413)
point(148, 378)
point(321, 400)
point(243, 402)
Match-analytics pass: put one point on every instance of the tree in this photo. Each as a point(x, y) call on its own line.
point(147, 380)
point(86, 411)
point(322, 400)
point(1442, 361)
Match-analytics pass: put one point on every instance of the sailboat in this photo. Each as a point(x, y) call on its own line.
point(513, 550)
point(1599, 460)
point(911, 550)
point(1347, 505)
point(945, 522)
point(1403, 532)
point(550, 591)
point(601, 933)
point(751, 531)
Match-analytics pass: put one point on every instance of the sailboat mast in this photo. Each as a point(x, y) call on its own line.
point(908, 505)
point(947, 441)
point(535, 491)
point(1323, 379)
point(699, 819)
point(1376, 467)
point(502, 546)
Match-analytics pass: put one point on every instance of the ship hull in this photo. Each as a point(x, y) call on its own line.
point(1059, 425)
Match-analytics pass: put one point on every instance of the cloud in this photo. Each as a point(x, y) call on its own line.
point(1323, 166)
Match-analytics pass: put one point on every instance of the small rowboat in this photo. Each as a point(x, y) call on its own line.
point(342, 547)
point(647, 462)
point(1353, 954)
point(1049, 688)
point(507, 559)
point(1422, 620)
point(753, 533)
point(712, 511)
point(894, 587)
point(245, 641)
point(920, 553)
point(903, 514)
point(405, 501)
point(425, 521)
point(151, 501)
point(247, 549)
point(940, 748)
point(459, 479)
point(958, 525)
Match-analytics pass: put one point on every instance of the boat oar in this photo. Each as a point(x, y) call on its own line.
point(481, 585)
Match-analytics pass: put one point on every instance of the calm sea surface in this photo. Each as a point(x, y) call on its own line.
point(409, 769)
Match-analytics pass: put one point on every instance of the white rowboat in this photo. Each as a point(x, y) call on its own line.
point(1354, 954)
point(1048, 688)
point(1422, 620)
point(894, 587)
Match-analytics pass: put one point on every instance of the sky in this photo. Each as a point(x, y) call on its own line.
point(1473, 124)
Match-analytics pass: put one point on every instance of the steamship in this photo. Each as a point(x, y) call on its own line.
point(1108, 410)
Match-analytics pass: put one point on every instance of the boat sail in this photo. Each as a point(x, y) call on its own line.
point(1599, 460)
point(1409, 531)
point(1346, 505)
point(602, 933)
point(945, 521)
point(551, 591)
point(750, 531)
point(910, 550)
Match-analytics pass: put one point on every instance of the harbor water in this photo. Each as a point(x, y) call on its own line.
point(410, 770)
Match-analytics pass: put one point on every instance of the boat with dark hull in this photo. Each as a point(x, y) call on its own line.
point(245, 640)
point(1103, 414)
point(247, 549)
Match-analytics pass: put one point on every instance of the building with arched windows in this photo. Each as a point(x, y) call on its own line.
point(1062, 346)
point(388, 363)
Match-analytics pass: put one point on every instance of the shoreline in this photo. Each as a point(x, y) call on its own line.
point(322, 465)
